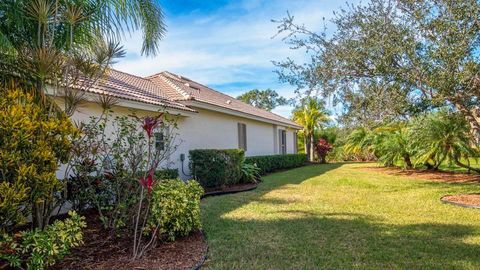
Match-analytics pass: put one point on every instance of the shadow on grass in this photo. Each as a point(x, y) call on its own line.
point(300, 239)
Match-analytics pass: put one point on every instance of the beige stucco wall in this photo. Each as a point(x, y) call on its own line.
point(203, 130)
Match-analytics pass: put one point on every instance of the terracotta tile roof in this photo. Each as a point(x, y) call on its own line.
point(126, 86)
point(181, 88)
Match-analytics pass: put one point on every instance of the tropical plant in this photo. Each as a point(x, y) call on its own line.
point(392, 145)
point(443, 136)
point(250, 172)
point(37, 249)
point(114, 170)
point(389, 143)
point(322, 148)
point(32, 147)
point(310, 115)
point(69, 45)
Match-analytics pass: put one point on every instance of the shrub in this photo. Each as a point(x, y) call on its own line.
point(37, 249)
point(250, 173)
point(216, 168)
point(322, 148)
point(163, 174)
point(273, 163)
point(32, 145)
point(175, 208)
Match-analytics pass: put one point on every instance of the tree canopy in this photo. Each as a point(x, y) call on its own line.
point(404, 57)
point(264, 99)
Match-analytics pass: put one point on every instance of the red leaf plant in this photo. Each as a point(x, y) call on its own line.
point(150, 123)
point(322, 148)
point(148, 181)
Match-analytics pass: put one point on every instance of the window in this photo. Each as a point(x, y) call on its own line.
point(282, 139)
point(159, 141)
point(242, 136)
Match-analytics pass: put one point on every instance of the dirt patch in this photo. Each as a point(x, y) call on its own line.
point(441, 176)
point(102, 251)
point(466, 200)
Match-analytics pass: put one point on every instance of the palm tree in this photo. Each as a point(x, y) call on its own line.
point(443, 136)
point(310, 115)
point(63, 41)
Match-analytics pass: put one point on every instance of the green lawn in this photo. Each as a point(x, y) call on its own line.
point(341, 216)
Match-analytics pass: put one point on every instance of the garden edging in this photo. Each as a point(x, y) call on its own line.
point(443, 200)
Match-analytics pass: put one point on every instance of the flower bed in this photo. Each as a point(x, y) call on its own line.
point(104, 251)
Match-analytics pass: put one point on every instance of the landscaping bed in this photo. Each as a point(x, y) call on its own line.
point(464, 200)
point(230, 189)
point(442, 176)
point(102, 251)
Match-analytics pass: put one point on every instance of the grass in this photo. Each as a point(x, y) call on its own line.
point(342, 216)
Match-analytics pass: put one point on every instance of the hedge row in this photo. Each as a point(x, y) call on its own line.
point(273, 163)
point(214, 168)
point(164, 174)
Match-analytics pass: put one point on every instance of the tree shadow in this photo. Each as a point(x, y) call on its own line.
point(302, 239)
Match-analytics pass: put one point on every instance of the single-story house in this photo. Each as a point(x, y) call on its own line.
point(207, 119)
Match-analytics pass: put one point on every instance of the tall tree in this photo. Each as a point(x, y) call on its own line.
point(311, 115)
point(429, 49)
point(264, 99)
point(65, 43)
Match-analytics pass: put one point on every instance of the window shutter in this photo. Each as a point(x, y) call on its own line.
point(242, 136)
point(285, 141)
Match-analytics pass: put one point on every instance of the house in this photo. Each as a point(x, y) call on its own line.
point(207, 119)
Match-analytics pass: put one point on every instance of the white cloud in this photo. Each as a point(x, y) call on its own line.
point(230, 46)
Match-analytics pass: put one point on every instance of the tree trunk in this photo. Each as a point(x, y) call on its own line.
point(458, 163)
point(312, 152)
point(473, 118)
point(306, 145)
point(408, 161)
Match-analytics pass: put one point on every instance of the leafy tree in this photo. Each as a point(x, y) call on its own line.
point(427, 49)
point(264, 99)
point(310, 115)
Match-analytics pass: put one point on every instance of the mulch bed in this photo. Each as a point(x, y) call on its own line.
point(464, 200)
point(230, 189)
point(442, 176)
point(101, 251)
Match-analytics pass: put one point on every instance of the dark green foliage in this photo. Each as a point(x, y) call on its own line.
point(250, 173)
point(273, 163)
point(216, 168)
point(175, 208)
point(37, 249)
point(264, 99)
point(164, 174)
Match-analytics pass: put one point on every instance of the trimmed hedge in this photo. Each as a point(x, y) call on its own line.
point(273, 163)
point(214, 168)
point(166, 174)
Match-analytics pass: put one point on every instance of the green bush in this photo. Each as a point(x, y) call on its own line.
point(37, 249)
point(163, 174)
point(273, 163)
point(175, 208)
point(216, 168)
point(250, 173)
point(32, 145)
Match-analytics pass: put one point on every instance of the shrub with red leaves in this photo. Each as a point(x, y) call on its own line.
point(322, 148)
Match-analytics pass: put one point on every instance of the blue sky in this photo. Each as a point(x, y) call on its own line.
point(226, 45)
